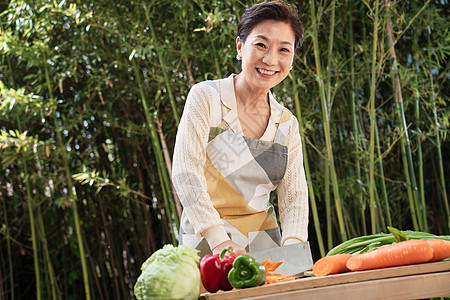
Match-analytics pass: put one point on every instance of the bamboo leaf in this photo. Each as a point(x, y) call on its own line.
point(132, 54)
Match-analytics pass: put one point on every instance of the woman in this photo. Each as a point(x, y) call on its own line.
point(235, 145)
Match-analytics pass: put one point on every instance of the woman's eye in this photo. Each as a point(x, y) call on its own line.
point(285, 50)
point(260, 45)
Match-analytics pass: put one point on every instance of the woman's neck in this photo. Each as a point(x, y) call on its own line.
point(247, 96)
point(253, 109)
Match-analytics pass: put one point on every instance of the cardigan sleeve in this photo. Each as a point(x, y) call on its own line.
point(293, 192)
point(188, 162)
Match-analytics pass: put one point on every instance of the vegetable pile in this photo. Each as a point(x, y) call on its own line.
point(176, 273)
point(223, 273)
point(169, 273)
point(381, 251)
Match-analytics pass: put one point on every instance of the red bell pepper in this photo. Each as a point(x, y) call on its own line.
point(214, 271)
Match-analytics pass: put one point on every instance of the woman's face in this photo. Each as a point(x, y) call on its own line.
point(267, 54)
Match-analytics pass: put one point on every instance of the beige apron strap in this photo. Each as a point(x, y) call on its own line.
point(283, 127)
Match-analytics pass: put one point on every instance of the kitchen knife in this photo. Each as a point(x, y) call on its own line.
point(296, 258)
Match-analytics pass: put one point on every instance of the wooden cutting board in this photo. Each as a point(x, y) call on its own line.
point(426, 280)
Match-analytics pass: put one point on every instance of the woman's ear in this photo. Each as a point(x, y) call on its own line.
point(238, 48)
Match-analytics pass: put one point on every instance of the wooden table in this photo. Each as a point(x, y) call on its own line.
point(419, 281)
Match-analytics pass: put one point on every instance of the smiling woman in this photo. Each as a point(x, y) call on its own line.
point(267, 57)
point(236, 144)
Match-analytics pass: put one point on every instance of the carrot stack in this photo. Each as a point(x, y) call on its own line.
point(398, 254)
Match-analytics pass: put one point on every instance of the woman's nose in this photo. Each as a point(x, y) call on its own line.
point(270, 58)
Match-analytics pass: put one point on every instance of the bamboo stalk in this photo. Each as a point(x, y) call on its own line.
point(372, 120)
point(351, 229)
point(441, 180)
point(408, 186)
point(326, 122)
point(312, 198)
point(420, 163)
point(214, 52)
point(151, 243)
point(327, 112)
point(117, 245)
point(2, 281)
point(330, 53)
point(9, 252)
point(327, 195)
point(169, 165)
point(162, 64)
point(419, 132)
point(37, 272)
point(188, 71)
point(5, 214)
point(380, 225)
point(364, 177)
point(43, 238)
point(141, 215)
point(383, 184)
point(328, 99)
point(165, 211)
point(375, 144)
point(70, 186)
point(402, 120)
point(330, 154)
point(93, 270)
point(108, 244)
point(34, 232)
point(355, 128)
point(171, 212)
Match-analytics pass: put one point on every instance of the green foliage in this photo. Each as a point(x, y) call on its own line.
point(84, 85)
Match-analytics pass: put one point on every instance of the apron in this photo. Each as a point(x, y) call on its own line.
point(241, 173)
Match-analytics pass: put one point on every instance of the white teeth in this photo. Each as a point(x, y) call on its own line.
point(266, 72)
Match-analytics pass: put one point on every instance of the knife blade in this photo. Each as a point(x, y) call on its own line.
point(296, 258)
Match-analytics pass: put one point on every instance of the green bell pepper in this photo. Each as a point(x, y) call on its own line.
point(246, 272)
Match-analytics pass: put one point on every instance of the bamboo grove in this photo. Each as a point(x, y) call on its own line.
point(92, 92)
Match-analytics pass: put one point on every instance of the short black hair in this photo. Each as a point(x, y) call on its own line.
point(272, 10)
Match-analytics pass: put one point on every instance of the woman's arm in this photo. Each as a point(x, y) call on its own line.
point(188, 163)
point(293, 192)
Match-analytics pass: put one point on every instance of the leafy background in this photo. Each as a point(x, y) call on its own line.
point(92, 92)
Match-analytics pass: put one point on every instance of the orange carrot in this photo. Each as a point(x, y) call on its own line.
point(271, 279)
point(398, 254)
point(271, 265)
point(276, 278)
point(331, 265)
point(441, 249)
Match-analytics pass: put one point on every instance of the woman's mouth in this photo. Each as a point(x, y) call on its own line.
point(266, 73)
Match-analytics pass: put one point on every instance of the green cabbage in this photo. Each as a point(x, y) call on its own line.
point(169, 273)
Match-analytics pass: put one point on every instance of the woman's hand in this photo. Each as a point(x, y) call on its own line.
point(237, 250)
